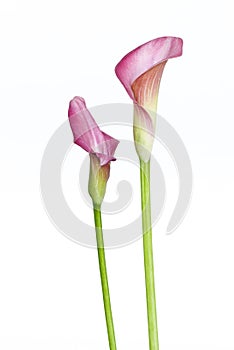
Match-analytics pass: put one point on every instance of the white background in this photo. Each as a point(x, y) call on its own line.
point(50, 295)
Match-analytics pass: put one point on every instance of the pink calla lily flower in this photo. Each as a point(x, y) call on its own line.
point(87, 134)
point(140, 72)
point(100, 146)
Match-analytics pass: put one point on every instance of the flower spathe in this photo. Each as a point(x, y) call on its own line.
point(100, 146)
point(140, 72)
point(87, 134)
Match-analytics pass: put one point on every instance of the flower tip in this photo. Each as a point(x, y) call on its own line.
point(76, 105)
point(179, 46)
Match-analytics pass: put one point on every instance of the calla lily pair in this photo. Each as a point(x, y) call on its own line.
point(140, 72)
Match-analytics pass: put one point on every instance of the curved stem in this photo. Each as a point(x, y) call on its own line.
point(104, 277)
point(148, 255)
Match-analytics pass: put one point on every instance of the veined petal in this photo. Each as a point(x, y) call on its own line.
point(140, 72)
point(145, 87)
point(87, 134)
point(145, 57)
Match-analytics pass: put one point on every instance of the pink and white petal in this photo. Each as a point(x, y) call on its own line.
point(110, 144)
point(104, 159)
point(105, 150)
point(87, 133)
point(82, 123)
point(144, 57)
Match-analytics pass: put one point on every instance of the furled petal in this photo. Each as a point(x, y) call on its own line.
point(87, 133)
point(140, 72)
point(145, 57)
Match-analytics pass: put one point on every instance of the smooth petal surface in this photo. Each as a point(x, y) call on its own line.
point(140, 72)
point(87, 134)
point(145, 57)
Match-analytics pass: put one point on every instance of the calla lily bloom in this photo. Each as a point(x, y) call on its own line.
point(140, 72)
point(101, 148)
point(98, 144)
point(87, 134)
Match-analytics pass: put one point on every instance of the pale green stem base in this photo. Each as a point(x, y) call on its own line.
point(104, 278)
point(148, 255)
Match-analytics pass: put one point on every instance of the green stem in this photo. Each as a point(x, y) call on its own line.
point(104, 278)
point(148, 255)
